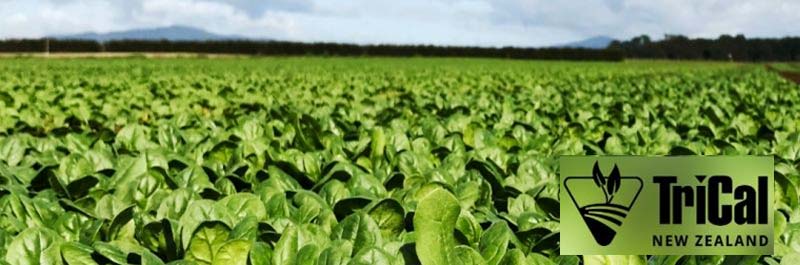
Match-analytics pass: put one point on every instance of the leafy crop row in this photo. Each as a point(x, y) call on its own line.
point(353, 161)
point(788, 67)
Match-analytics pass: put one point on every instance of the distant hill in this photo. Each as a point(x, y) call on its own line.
point(173, 33)
point(597, 42)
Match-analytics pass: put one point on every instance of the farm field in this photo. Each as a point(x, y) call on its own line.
point(354, 160)
point(789, 67)
point(789, 71)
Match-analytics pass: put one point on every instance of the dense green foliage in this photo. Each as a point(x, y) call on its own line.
point(353, 161)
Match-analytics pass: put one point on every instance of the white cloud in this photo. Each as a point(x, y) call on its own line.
point(455, 22)
point(37, 18)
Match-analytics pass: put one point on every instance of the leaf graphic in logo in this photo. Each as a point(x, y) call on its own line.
point(604, 217)
point(614, 181)
point(599, 180)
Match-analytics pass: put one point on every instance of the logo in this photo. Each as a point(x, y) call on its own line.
point(677, 205)
point(605, 210)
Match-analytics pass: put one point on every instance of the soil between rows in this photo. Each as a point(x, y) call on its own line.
point(791, 76)
point(794, 77)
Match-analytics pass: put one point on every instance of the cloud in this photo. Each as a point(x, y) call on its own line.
point(37, 18)
point(448, 22)
point(626, 18)
point(256, 8)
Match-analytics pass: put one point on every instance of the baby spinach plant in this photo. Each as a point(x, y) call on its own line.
point(355, 161)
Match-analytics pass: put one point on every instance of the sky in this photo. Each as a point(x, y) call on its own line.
point(441, 22)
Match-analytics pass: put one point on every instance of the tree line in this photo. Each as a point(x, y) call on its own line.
point(725, 47)
point(297, 48)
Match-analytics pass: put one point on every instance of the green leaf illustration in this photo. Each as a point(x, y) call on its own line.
point(613, 183)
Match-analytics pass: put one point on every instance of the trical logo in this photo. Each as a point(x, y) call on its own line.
point(677, 205)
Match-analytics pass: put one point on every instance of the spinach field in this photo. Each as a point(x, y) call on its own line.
point(354, 160)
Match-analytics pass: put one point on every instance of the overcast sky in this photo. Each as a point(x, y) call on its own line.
point(453, 22)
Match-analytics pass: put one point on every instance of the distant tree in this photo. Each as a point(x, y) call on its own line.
point(280, 48)
point(725, 47)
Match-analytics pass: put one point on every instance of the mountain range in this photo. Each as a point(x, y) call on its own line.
point(596, 42)
point(173, 33)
